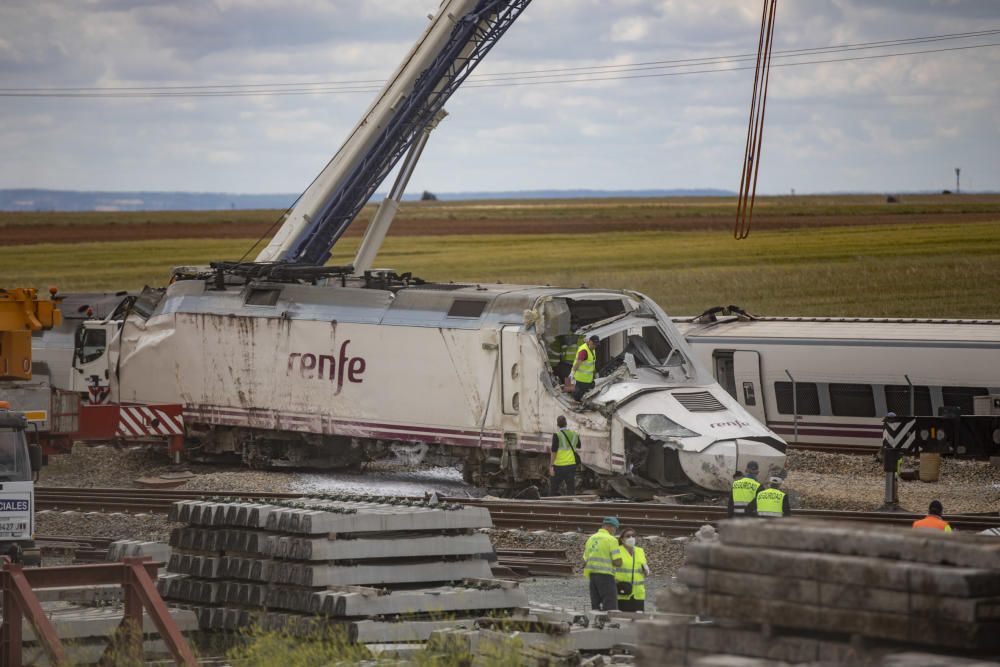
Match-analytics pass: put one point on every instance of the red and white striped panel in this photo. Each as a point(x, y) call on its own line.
point(134, 420)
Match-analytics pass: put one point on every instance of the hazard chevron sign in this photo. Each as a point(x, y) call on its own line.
point(149, 420)
point(899, 434)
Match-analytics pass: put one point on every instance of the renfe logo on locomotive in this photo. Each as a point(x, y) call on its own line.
point(327, 366)
point(13, 505)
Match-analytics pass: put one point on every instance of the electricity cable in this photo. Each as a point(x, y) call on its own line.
point(560, 76)
point(554, 71)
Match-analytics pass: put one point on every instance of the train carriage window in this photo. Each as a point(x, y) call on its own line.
point(962, 397)
point(657, 343)
point(852, 400)
point(897, 399)
point(806, 398)
point(90, 344)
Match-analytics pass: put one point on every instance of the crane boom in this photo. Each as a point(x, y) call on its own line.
point(458, 37)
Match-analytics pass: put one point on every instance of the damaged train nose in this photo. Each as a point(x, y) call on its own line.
point(713, 468)
point(679, 438)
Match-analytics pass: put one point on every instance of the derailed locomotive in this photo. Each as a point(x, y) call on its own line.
point(335, 373)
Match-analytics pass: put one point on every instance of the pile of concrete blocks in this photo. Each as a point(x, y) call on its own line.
point(384, 570)
point(121, 549)
point(84, 632)
point(552, 639)
point(804, 592)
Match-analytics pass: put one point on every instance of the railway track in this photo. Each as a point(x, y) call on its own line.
point(560, 516)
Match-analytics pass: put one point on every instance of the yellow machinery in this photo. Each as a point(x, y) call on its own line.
point(21, 313)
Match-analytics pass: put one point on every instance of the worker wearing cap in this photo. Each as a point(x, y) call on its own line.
point(772, 501)
point(933, 519)
point(585, 367)
point(743, 496)
point(565, 456)
point(601, 556)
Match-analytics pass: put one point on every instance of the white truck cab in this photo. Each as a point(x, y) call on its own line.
point(19, 464)
point(91, 361)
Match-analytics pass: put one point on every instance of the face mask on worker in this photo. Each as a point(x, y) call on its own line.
point(630, 541)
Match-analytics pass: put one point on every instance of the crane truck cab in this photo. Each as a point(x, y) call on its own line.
point(19, 466)
point(92, 361)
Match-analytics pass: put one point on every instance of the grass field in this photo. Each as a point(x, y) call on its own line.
point(947, 268)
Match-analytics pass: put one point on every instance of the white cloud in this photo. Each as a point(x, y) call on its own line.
point(870, 124)
point(631, 29)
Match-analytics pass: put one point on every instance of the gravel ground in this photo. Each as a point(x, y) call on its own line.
point(665, 555)
point(575, 594)
point(153, 527)
point(850, 482)
point(108, 466)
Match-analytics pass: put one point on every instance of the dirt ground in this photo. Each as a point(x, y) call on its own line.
point(97, 232)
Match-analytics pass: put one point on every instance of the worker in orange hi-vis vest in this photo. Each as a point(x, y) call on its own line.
point(933, 519)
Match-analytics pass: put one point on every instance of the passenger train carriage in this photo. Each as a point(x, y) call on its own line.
point(829, 382)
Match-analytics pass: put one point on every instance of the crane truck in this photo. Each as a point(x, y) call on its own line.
point(22, 313)
point(285, 360)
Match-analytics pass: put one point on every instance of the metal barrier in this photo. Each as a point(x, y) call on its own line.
point(135, 575)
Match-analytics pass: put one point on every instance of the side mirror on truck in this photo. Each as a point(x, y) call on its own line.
point(35, 458)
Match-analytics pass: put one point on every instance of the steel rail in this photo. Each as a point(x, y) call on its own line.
point(647, 518)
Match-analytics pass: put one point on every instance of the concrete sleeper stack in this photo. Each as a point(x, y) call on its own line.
point(809, 592)
point(385, 570)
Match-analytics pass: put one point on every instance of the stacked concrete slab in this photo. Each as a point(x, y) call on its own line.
point(809, 592)
point(387, 570)
point(553, 638)
point(84, 632)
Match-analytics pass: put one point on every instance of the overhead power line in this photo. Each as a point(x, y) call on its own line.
point(582, 74)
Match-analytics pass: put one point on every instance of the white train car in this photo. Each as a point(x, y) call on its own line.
point(829, 382)
point(336, 373)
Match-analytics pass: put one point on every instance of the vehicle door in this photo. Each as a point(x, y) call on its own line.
point(510, 371)
point(90, 374)
point(746, 377)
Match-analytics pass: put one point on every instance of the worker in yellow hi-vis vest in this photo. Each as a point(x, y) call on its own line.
point(630, 577)
point(565, 458)
point(601, 556)
point(585, 367)
point(743, 497)
point(772, 501)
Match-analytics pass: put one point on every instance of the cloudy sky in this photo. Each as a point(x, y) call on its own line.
point(874, 124)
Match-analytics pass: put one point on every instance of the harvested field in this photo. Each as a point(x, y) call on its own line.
point(112, 232)
point(512, 217)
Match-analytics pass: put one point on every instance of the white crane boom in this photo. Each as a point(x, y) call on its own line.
point(459, 35)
